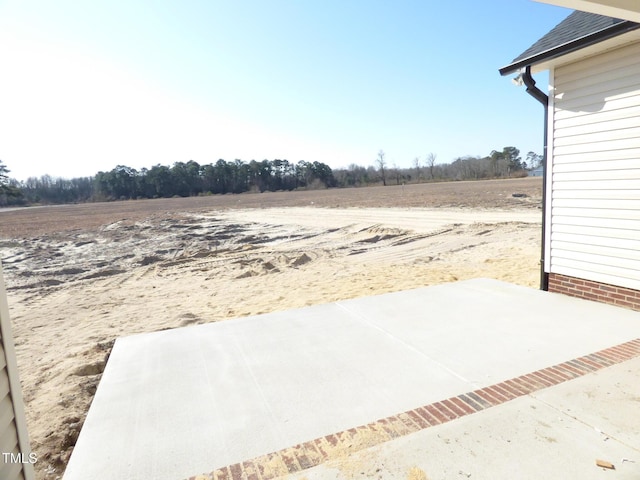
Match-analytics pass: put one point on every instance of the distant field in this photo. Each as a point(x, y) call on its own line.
point(473, 194)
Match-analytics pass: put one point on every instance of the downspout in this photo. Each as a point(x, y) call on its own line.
point(543, 98)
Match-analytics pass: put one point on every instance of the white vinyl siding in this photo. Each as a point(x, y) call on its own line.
point(13, 432)
point(595, 168)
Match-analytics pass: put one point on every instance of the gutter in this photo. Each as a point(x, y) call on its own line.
point(572, 46)
point(543, 98)
point(523, 65)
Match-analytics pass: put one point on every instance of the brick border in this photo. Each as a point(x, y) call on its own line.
point(315, 452)
point(599, 292)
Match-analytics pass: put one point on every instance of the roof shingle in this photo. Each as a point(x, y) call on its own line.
point(575, 26)
point(576, 31)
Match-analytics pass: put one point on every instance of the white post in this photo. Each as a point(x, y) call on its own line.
point(15, 392)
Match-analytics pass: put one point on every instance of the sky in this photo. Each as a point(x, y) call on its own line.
point(87, 86)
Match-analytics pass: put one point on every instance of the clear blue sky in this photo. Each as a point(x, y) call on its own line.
point(85, 86)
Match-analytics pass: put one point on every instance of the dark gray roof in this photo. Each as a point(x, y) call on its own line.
point(576, 25)
point(578, 30)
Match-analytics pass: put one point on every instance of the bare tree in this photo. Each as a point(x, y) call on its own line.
point(534, 160)
point(382, 163)
point(431, 162)
point(418, 168)
point(396, 173)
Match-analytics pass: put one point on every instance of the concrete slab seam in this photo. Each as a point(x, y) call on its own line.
point(321, 450)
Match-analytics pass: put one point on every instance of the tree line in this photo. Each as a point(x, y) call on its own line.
point(161, 181)
point(191, 178)
point(503, 163)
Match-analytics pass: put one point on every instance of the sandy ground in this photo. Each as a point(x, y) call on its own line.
point(80, 276)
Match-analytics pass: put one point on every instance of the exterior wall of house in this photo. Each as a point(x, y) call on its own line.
point(599, 292)
point(13, 431)
point(594, 173)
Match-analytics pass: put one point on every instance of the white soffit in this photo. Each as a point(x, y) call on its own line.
point(624, 9)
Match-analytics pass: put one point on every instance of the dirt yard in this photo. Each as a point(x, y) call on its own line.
point(79, 276)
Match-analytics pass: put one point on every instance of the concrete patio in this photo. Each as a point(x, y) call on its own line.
point(178, 403)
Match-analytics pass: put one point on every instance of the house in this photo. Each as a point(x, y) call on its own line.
point(591, 224)
point(537, 172)
point(627, 9)
point(15, 454)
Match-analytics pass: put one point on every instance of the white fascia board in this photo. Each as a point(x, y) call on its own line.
point(624, 9)
point(601, 47)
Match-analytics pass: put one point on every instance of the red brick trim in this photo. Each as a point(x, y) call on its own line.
point(315, 452)
point(599, 292)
